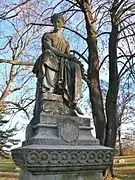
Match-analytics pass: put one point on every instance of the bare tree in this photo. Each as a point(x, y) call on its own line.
point(125, 111)
point(102, 34)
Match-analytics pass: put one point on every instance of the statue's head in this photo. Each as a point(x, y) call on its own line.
point(58, 21)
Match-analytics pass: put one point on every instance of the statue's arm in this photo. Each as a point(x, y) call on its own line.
point(47, 45)
point(35, 67)
point(70, 56)
point(73, 58)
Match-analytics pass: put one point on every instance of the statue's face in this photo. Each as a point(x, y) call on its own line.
point(58, 24)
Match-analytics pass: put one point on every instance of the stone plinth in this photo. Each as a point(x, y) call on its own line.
point(74, 176)
point(43, 159)
point(60, 147)
point(53, 105)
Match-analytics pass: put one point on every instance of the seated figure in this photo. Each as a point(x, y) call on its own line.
point(57, 70)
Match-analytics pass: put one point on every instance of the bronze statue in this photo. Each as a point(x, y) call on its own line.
point(57, 70)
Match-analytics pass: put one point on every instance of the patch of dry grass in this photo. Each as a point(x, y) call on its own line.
point(8, 178)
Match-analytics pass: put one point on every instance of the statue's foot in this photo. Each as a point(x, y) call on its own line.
point(47, 90)
point(51, 90)
point(77, 108)
point(44, 89)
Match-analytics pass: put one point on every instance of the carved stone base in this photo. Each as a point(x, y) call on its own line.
point(61, 130)
point(53, 104)
point(43, 159)
point(60, 146)
point(26, 175)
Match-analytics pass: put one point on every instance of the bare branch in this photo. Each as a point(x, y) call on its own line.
point(80, 56)
point(8, 86)
point(16, 62)
point(3, 16)
point(20, 87)
point(103, 61)
point(39, 24)
point(20, 108)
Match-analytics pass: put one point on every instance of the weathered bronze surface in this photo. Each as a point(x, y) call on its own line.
point(57, 70)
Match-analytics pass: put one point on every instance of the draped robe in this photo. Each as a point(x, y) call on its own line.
point(59, 73)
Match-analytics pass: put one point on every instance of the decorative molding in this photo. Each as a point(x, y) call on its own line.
point(63, 157)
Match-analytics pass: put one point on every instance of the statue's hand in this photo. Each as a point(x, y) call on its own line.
point(72, 58)
point(65, 55)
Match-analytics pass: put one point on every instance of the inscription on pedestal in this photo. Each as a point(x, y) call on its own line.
point(68, 132)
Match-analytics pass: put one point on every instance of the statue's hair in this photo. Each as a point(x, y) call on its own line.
point(57, 16)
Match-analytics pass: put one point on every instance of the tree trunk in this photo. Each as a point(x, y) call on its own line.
point(93, 73)
point(111, 100)
point(120, 144)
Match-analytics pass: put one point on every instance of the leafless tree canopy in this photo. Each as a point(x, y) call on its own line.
point(102, 35)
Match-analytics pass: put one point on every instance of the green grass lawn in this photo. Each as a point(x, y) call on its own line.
point(126, 176)
point(8, 166)
point(5, 178)
point(125, 165)
point(129, 161)
point(8, 178)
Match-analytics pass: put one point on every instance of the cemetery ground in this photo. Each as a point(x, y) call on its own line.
point(124, 169)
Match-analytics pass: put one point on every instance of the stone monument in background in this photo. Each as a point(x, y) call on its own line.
point(59, 144)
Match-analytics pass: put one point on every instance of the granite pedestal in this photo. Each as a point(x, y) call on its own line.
point(73, 176)
point(60, 146)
